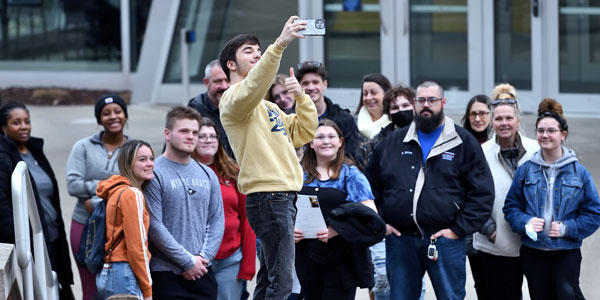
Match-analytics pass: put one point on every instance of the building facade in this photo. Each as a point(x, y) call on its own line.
point(545, 48)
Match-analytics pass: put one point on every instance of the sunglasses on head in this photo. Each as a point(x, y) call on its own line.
point(504, 101)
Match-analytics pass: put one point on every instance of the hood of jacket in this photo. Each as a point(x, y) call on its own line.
point(567, 158)
point(106, 188)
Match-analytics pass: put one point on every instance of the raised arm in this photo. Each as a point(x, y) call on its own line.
point(302, 125)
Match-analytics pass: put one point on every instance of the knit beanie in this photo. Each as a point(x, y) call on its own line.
point(107, 99)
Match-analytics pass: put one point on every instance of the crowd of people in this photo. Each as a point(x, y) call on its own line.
point(402, 189)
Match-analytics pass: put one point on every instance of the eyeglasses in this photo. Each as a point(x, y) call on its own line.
point(431, 100)
point(311, 64)
point(210, 137)
point(549, 131)
point(481, 114)
point(321, 138)
point(505, 101)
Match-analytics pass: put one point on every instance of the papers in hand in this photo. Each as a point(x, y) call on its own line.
point(530, 232)
point(309, 218)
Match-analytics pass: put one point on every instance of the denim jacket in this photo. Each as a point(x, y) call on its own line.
point(575, 201)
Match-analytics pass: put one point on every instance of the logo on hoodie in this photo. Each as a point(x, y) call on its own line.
point(275, 117)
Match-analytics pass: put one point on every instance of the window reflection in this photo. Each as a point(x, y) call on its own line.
point(579, 38)
point(512, 43)
point(352, 43)
point(216, 22)
point(438, 42)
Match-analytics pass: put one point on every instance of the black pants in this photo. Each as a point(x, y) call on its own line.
point(552, 274)
point(499, 277)
point(477, 271)
point(167, 285)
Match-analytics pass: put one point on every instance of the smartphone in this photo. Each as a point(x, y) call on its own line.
point(313, 27)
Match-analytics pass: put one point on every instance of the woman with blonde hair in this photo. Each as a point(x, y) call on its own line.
point(126, 269)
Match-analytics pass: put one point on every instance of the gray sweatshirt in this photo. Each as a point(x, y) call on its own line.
point(87, 165)
point(186, 215)
point(550, 172)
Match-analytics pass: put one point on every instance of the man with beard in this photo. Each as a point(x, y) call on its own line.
point(186, 214)
point(207, 104)
point(432, 186)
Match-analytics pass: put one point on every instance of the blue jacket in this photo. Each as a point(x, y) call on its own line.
point(575, 201)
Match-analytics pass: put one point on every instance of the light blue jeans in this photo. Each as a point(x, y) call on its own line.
point(117, 279)
point(226, 271)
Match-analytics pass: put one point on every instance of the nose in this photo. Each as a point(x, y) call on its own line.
point(477, 117)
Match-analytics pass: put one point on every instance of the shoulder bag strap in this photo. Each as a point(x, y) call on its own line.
point(120, 237)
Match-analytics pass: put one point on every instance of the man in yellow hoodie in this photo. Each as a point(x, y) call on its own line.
point(263, 139)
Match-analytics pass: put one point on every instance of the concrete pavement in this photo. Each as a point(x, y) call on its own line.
point(62, 126)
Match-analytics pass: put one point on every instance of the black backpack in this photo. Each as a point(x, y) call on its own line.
point(93, 238)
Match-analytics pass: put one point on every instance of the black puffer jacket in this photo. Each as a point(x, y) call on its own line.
point(453, 189)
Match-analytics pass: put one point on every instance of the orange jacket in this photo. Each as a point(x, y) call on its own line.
point(132, 220)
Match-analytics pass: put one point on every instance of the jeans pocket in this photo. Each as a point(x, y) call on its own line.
point(253, 213)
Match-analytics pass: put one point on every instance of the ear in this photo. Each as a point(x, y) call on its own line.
point(325, 83)
point(444, 102)
point(231, 66)
point(311, 145)
point(563, 135)
point(205, 80)
point(167, 133)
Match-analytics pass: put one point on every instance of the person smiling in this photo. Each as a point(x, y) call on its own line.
point(235, 261)
point(553, 205)
point(127, 269)
point(325, 266)
point(16, 144)
point(500, 275)
point(370, 118)
point(477, 118)
point(93, 159)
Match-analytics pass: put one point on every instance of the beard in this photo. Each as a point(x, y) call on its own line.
point(429, 124)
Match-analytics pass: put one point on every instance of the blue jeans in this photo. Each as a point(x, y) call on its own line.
point(117, 278)
point(271, 215)
point(226, 271)
point(407, 262)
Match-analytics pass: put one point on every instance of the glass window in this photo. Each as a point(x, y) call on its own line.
point(216, 22)
point(138, 17)
point(512, 43)
point(352, 41)
point(60, 35)
point(579, 38)
point(438, 43)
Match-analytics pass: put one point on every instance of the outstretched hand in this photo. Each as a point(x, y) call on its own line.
point(292, 85)
point(290, 31)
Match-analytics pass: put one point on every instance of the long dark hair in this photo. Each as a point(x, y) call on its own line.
point(380, 79)
point(225, 167)
point(484, 135)
point(309, 160)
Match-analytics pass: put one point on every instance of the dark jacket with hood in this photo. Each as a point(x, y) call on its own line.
point(9, 157)
point(207, 109)
point(452, 189)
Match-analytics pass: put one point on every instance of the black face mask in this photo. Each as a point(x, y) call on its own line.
point(402, 118)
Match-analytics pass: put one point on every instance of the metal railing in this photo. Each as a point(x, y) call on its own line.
point(39, 281)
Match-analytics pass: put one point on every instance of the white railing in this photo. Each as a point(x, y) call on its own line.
point(39, 281)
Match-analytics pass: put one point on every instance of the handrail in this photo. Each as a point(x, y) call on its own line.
point(41, 283)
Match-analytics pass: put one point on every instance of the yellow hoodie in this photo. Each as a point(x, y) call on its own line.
point(262, 136)
point(133, 221)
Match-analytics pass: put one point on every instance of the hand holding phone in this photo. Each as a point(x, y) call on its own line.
point(314, 27)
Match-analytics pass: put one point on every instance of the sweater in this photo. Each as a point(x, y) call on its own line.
point(87, 165)
point(262, 136)
point(238, 232)
point(186, 215)
point(507, 242)
point(131, 220)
